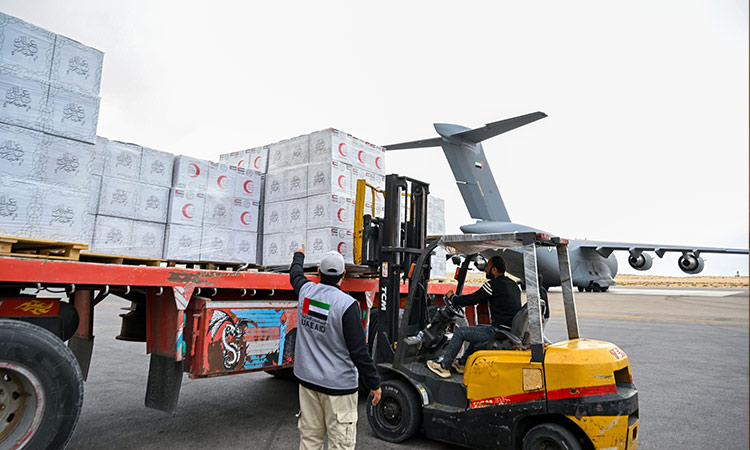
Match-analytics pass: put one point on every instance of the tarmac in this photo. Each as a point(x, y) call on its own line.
point(688, 351)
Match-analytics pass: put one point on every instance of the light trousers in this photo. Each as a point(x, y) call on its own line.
point(323, 414)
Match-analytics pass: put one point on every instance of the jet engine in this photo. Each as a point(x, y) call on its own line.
point(690, 263)
point(641, 262)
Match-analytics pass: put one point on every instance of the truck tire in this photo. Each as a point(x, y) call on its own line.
point(550, 436)
point(398, 415)
point(41, 387)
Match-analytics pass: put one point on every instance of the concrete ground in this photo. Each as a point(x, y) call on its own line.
point(688, 351)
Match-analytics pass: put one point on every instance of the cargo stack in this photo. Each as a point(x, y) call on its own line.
point(48, 118)
point(436, 227)
point(309, 192)
point(131, 213)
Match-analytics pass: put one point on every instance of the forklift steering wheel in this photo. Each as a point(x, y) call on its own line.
point(455, 309)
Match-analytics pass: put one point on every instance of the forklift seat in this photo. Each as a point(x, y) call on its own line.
point(516, 337)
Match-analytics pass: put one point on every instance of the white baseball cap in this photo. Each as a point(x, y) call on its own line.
point(332, 264)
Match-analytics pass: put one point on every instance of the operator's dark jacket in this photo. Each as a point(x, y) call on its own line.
point(503, 296)
point(354, 335)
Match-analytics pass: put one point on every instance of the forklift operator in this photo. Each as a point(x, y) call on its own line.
point(504, 298)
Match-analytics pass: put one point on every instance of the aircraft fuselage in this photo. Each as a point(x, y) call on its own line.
point(587, 267)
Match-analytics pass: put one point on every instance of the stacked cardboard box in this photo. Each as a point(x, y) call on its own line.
point(48, 119)
point(131, 213)
point(436, 227)
point(309, 192)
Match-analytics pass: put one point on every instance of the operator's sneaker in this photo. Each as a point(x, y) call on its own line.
point(438, 369)
point(458, 366)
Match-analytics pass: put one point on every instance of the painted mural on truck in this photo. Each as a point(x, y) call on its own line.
point(250, 339)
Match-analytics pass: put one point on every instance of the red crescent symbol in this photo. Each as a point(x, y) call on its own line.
point(341, 248)
point(341, 182)
point(239, 164)
point(341, 149)
point(242, 218)
point(256, 163)
point(359, 156)
point(186, 210)
point(342, 219)
point(197, 170)
point(248, 186)
point(379, 162)
point(220, 181)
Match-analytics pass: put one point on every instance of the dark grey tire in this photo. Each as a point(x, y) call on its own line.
point(398, 415)
point(41, 387)
point(550, 436)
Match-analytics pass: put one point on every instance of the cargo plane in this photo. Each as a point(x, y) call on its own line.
point(593, 265)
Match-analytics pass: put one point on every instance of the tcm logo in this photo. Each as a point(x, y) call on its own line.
point(383, 298)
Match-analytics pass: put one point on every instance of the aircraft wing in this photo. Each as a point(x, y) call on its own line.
point(433, 142)
point(493, 129)
point(606, 248)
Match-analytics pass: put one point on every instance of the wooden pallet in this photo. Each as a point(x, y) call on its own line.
point(40, 248)
point(119, 259)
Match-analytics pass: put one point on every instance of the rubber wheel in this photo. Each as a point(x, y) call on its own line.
point(398, 415)
point(550, 436)
point(41, 387)
point(580, 288)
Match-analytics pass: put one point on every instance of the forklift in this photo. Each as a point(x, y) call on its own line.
point(516, 390)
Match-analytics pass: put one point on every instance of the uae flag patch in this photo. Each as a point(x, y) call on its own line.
point(315, 308)
point(479, 165)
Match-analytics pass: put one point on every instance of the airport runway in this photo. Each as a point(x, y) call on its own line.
point(688, 352)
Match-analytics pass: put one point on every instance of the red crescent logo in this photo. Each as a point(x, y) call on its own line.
point(256, 163)
point(242, 218)
point(342, 182)
point(341, 248)
point(379, 162)
point(342, 146)
point(187, 210)
point(342, 215)
point(248, 186)
point(239, 164)
point(359, 156)
point(220, 181)
point(197, 170)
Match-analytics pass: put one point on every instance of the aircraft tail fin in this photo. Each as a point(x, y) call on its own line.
point(463, 150)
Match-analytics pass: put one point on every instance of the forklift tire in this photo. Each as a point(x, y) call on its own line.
point(41, 387)
point(398, 415)
point(550, 436)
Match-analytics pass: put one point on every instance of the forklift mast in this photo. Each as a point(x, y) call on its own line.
point(401, 238)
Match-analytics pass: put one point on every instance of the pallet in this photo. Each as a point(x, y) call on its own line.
point(40, 248)
point(119, 259)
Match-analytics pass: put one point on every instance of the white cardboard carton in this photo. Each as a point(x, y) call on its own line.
point(190, 173)
point(245, 247)
point(323, 240)
point(218, 211)
point(251, 159)
point(122, 160)
point(216, 245)
point(156, 167)
point(279, 248)
point(94, 188)
point(152, 203)
point(67, 162)
point(148, 239)
point(290, 215)
point(329, 177)
point(112, 236)
point(221, 179)
point(100, 155)
point(249, 184)
point(20, 152)
point(17, 200)
point(435, 216)
point(118, 198)
point(76, 66)
point(185, 207)
point(183, 243)
point(286, 184)
point(25, 49)
point(24, 101)
point(245, 215)
point(330, 144)
point(72, 114)
point(288, 153)
point(330, 210)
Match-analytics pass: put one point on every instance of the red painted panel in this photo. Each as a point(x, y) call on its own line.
point(22, 307)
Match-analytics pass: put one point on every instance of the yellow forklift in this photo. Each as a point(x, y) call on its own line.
point(516, 391)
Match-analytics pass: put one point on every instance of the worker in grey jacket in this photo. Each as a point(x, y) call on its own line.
point(329, 355)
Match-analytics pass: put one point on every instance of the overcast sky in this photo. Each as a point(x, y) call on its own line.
point(646, 139)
